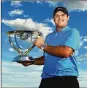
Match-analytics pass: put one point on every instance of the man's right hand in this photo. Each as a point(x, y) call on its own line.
point(27, 63)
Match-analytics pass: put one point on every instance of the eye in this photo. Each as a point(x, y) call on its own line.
point(56, 16)
point(63, 15)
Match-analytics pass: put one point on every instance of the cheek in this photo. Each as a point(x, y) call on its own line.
point(65, 20)
point(56, 20)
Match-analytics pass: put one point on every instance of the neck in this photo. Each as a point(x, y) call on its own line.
point(59, 29)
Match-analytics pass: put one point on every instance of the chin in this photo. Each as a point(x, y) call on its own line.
point(61, 26)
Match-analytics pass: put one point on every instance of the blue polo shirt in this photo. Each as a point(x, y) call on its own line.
point(57, 66)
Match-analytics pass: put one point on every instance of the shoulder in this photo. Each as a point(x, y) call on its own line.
point(49, 35)
point(73, 31)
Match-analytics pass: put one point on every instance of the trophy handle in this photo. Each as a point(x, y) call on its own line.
point(13, 46)
point(16, 42)
point(19, 50)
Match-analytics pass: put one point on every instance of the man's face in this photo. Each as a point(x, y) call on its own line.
point(61, 19)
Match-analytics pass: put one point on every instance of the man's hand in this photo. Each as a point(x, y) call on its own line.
point(39, 42)
point(27, 63)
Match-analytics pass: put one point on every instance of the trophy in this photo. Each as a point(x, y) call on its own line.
point(25, 37)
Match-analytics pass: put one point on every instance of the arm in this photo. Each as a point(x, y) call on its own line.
point(59, 51)
point(39, 61)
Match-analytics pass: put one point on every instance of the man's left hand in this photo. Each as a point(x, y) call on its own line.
point(39, 42)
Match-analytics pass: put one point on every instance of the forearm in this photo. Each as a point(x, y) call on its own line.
point(59, 51)
point(39, 61)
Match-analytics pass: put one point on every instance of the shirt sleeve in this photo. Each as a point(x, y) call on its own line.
point(73, 40)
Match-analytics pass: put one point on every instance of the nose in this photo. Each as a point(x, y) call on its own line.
point(60, 17)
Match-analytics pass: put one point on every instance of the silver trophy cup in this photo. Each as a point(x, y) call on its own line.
point(22, 42)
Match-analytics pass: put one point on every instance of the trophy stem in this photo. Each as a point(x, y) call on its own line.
point(28, 50)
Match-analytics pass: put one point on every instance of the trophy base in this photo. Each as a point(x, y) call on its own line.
point(22, 59)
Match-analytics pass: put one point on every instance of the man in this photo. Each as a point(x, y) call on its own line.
point(60, 66)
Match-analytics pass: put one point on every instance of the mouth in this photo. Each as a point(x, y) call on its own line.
point(60, 21)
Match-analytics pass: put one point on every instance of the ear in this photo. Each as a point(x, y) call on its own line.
point(68, 17)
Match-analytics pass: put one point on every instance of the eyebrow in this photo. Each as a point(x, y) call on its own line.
point(60, 14)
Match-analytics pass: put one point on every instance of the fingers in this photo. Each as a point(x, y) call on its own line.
point(39, 42)
point(38, 37)
point(25, 63)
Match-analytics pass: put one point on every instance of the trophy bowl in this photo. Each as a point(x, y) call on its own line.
point(22, 42)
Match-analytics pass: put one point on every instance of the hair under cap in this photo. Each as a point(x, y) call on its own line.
point(63, 9)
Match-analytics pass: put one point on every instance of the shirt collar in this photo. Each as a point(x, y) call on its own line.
point(63, 29)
